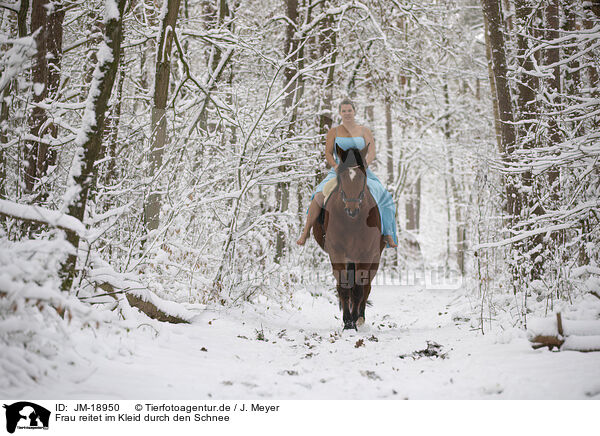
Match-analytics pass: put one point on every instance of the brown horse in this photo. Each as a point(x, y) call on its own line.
point(349, 230)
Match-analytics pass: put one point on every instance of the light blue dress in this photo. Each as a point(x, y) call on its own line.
point(385, 203)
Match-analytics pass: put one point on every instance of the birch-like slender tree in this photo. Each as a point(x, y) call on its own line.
point(159, 119)
point(89, 139)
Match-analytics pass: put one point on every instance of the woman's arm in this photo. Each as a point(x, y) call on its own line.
point(371, 142)
point(329, 144)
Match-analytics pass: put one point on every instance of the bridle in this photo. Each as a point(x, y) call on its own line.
point(358, 200)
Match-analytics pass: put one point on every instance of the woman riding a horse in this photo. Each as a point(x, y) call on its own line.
point(346, 136)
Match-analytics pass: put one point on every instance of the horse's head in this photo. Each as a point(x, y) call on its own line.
point(352, 178)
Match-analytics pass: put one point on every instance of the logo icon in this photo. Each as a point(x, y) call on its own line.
point(25, 415)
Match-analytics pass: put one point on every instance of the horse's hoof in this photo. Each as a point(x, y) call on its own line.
point(360, 321)
point(350, 326)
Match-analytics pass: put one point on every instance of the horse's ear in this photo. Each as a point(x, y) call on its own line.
point(341, 153)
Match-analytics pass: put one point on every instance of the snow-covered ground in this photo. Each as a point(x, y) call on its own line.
point(300, 353)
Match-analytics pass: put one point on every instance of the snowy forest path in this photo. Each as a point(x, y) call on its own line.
point(300, 352)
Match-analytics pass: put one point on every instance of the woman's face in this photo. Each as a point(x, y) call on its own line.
point(347, 112)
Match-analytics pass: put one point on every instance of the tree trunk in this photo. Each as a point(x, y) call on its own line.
point(418, 204)
point(389, 134)
point(508, 19)
point(488, 52)
point(552, 57)
point(159, 120)
point(591, 18)
point(216, 54)
point(47, 19)
point(215, 19)
point(22, 18)
point(493, 15)
point(502, 98)
point(448, 220)
point(300, 61)
point(109, 149)
point(459, 212)
point(291, 45)
point(90, 135)
point(413, 206)
point(594, 7)
point(528, 109)
point(298, 94)
point(4, 112)
point(39, 20)
point(572, 73)
point(328, 46)
point(351, 87)
point(4, 108)
point(527, 83)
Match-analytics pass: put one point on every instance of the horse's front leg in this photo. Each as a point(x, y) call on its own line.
point(344, 289)
point(344, 294)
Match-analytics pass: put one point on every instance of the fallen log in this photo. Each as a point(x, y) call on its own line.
point(150, 304)
point(546, 341)
point(570, 335)
point(152, 310)
point(581, 343)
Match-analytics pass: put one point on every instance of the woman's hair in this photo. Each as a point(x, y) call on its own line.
point(346, 101)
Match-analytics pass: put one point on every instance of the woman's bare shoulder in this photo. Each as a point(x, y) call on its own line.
point(365, 130)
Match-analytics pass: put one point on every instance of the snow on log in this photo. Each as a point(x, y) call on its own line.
point(139, 296)
point(564, 334)
point(549, 327)
point(41, 215)
point(582, 343)
point(157, 308)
